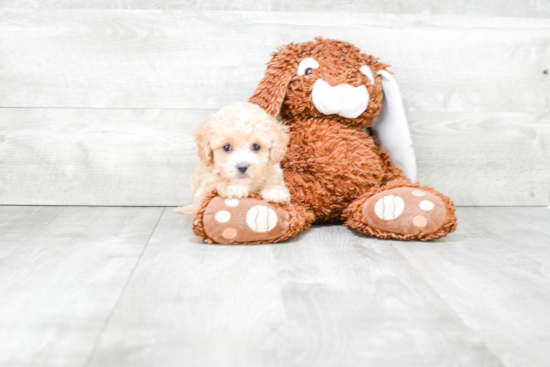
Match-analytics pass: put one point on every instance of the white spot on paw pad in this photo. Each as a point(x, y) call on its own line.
point(223, 216)
point(231, 202)
point(426, 205)
point(261, 219)
point(418, 193)
point(389, 207)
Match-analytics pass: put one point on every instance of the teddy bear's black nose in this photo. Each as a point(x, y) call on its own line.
point(242, 167)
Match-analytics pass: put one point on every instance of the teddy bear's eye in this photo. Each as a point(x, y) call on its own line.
point(367, 72)
point(307, 65)
point(256, 147)
point(227, 147)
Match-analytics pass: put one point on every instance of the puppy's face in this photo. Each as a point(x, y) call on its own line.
point(241, 156)
point(241, 141)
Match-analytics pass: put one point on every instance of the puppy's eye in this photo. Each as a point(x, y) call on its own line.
point(256, 147)
point(307, 65)
point(227, 147)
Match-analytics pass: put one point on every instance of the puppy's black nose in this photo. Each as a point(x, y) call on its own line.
point(242, 167)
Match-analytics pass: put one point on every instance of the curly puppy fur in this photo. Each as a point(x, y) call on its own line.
point(240, 148)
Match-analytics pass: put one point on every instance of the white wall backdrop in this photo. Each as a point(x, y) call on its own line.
point(99, 99)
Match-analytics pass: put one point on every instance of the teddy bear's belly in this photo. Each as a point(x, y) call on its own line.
point(327, 166)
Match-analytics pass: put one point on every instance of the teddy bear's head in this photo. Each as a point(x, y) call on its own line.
point(322, 78)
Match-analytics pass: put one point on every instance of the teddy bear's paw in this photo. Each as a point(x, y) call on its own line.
point(406, 211)
point(245, 220)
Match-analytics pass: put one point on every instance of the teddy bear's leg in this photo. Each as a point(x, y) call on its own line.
point(248, 220)
point(402, 210)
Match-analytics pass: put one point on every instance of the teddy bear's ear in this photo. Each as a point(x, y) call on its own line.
point(391, 129)
point(271, 90)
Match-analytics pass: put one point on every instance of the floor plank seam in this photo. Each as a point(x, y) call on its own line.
point(108, 319)
point(451, 309)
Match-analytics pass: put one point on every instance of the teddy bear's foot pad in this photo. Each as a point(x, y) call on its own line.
point(247, 220)
point(406, 211)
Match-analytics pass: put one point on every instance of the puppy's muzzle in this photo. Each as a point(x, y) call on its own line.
point(343, 100)
point(242, 167)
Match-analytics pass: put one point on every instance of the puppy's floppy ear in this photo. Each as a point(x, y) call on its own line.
point(391, 129)
point(202, 138)
point(279, 143)
point(271, 90)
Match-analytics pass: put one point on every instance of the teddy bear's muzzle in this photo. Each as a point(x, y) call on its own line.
point(343, 100)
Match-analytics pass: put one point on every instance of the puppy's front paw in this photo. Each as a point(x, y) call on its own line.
point(232, 190)
point(276, 194)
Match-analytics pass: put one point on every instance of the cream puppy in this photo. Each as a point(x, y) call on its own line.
point(240, 148)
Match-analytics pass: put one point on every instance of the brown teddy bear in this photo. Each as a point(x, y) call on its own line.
point(329, 93)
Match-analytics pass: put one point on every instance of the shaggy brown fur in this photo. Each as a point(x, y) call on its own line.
point(332, 165)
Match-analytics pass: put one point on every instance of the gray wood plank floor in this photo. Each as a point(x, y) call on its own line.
point(62, 271)
point(111, 286)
